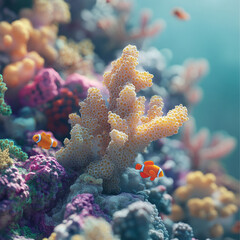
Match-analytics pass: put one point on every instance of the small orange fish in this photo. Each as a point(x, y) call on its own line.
point(149, 170)
point(180, 14)
point(236, 228)
point(44, 140)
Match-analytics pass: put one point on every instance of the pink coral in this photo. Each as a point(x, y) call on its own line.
point(200, 150)
point(45, 87)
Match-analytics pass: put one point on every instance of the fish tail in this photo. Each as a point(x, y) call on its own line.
point(138, 166)
point(54, 143)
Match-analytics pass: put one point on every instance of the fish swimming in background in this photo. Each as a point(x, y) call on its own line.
point(148, 169)
point(181, 14)
point(44, 140)
point(236, 228)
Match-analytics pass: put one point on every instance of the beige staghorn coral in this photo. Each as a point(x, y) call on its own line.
point(106, 140)
point(202, 199)
point(5, 159)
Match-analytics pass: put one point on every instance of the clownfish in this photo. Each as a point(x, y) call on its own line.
point(180, 14)
point(44, 140)
point(236, 228)
point(148, 169)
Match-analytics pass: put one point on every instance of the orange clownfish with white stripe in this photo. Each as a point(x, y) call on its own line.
point(44, 140)
point(148, 169)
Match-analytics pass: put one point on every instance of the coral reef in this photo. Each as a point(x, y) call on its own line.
point(115, 130)
point(202, 203)
point(55, 55)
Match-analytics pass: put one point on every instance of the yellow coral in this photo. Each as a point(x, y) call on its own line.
point(202, 199)
point(95, 229)
point(5, 160)
point(21, 72)
point(119, 131)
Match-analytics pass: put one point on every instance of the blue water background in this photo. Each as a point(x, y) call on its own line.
point(211, 33)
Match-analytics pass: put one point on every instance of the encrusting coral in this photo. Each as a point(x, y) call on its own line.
point(105, 140)
point(5, 160)
point(4, 108)
point(13, 149)
point(202, 203)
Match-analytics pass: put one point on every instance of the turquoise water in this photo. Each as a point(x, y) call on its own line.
point(212, 33)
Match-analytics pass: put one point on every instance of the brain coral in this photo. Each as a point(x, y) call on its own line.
point(105, 140)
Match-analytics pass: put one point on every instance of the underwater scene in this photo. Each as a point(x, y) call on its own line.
point(119, 120)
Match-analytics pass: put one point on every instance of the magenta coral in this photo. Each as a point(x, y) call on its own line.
point(45, 87)
point(80, 84)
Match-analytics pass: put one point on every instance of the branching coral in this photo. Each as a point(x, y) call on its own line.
point(201, 151)
point(4, 108)
point(13, 149)
point(106, 139)
point(202, 203)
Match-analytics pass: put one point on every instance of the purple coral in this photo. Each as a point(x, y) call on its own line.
point(14, 195)
point(45, 87)
point(84, 202)
point(45, 178)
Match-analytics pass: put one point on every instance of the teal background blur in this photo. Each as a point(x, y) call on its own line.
point(211, 33)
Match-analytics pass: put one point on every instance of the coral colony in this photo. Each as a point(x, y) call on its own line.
point(84, 147)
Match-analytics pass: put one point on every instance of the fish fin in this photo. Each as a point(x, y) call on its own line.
point(152, 173)
point(143, 175)
point(138, 166)
point(152, 178)
point(161, 174)
point(148, 163)
point(54, 144)
point(43, 134)
point(48, 135)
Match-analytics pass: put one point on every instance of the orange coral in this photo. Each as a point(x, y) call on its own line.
point(113, 135)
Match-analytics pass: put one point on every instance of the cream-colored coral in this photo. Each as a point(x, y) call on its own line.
point(5, 160)
point(115, 134)
point(95, 229)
